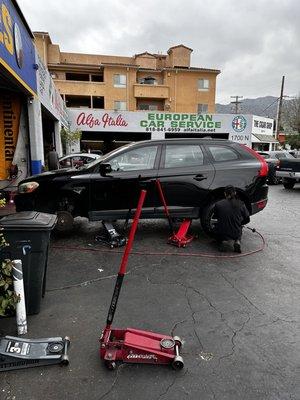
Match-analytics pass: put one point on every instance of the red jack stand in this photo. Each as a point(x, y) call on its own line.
point(181, 238)
point(132, 345)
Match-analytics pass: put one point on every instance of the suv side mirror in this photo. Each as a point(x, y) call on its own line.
point(105, 169)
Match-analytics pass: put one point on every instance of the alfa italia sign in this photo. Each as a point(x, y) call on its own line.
point(236, 127)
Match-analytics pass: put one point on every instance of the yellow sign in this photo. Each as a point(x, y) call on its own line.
point(6, 36)
point(10, 109)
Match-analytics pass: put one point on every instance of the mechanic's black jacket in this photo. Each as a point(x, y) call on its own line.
point(231, 215)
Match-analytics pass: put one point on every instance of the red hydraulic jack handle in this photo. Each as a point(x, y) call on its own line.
point(132, 345)
point(181, 238)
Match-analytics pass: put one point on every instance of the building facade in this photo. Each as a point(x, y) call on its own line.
point(154, 82)
point(31, 108)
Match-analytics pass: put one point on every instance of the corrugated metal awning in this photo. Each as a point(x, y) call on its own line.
point(264, 138)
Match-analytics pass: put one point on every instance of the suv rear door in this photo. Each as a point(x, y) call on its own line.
point(186, 176)
point(233, 165)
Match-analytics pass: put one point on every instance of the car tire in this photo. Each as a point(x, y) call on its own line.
point(207, 218)
point(53, 162)
point(65, 222)
point(288, 183)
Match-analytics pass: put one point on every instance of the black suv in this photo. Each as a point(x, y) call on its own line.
point(193, 174)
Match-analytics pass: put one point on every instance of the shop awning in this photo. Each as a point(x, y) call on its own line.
point(259, 138)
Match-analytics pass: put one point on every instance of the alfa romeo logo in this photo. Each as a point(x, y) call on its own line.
point(239, 123)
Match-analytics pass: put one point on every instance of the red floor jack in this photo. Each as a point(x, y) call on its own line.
point(132, 345)
point(181, 238)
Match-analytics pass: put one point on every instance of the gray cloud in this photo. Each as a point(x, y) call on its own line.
point(253, 43)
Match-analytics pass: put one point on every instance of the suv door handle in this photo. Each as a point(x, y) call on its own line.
point(200, 177)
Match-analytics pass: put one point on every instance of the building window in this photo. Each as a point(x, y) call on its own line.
point(77, 77)
point(119, 81)
point(120, 105)
point(203, 84)
point(202, 108)
point(97, 78)
point(98, 102)
point(148, 80)
point(148, 107)
point(78, 101)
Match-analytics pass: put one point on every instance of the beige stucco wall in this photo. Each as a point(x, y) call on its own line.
point(179, 88)
point(180, 57)
point(146, 61)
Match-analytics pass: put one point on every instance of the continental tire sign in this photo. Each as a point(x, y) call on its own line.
point(10, 108)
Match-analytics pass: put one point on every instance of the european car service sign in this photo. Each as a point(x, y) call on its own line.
point(237, 127)
point(17, 54)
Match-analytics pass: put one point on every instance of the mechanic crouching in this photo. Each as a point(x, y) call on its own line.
point(231, 214)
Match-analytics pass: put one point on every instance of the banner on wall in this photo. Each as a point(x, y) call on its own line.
point(237, 127)
point(10, 109)
point(17, 53)
point(48, 95)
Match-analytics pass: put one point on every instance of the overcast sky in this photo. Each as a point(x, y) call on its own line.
point(253, 43)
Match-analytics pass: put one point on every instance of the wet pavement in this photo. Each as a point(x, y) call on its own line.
point(238, 315)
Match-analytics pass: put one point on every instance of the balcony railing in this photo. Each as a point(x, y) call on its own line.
point(151, 91)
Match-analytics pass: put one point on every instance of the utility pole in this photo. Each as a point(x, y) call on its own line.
point(236, 102)
point(279, 108)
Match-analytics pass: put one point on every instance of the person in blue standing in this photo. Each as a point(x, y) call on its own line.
point(231, 214)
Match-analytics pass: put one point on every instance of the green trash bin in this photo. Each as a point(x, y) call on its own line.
point(28, 235)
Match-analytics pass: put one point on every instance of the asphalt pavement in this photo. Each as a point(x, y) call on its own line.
point(238, 315)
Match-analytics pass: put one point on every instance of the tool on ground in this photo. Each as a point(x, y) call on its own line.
point(17, 273)
point(181, 238)
point(111, 237)
point(132, 345)
point(17, 353)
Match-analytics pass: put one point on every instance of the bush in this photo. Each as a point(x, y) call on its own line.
point(8, 298)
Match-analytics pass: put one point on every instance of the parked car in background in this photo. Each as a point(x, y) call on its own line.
point(193, 174)
point(76, 160)
point(288, 170)
point(272, 158)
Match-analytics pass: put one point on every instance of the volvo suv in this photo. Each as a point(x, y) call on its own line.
point(192, 172)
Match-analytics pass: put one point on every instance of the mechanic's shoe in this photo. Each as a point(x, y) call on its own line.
point(237, 246)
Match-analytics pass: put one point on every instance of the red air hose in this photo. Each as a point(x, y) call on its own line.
point(182, 253)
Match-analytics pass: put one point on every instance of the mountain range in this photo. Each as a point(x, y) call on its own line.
point(262, 106)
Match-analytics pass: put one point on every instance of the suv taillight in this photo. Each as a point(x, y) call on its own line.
point(264, 168)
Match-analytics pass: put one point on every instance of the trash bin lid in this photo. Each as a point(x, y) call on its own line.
point(28, 220)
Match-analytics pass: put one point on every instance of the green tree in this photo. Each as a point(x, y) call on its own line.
point(293, 140)
point(69, 137)
point(291, 115)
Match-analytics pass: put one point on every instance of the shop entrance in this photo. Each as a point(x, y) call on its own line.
point(48, 133)
point(105, 142)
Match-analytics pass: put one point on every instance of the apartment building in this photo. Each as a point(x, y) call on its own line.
point(162, 82)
